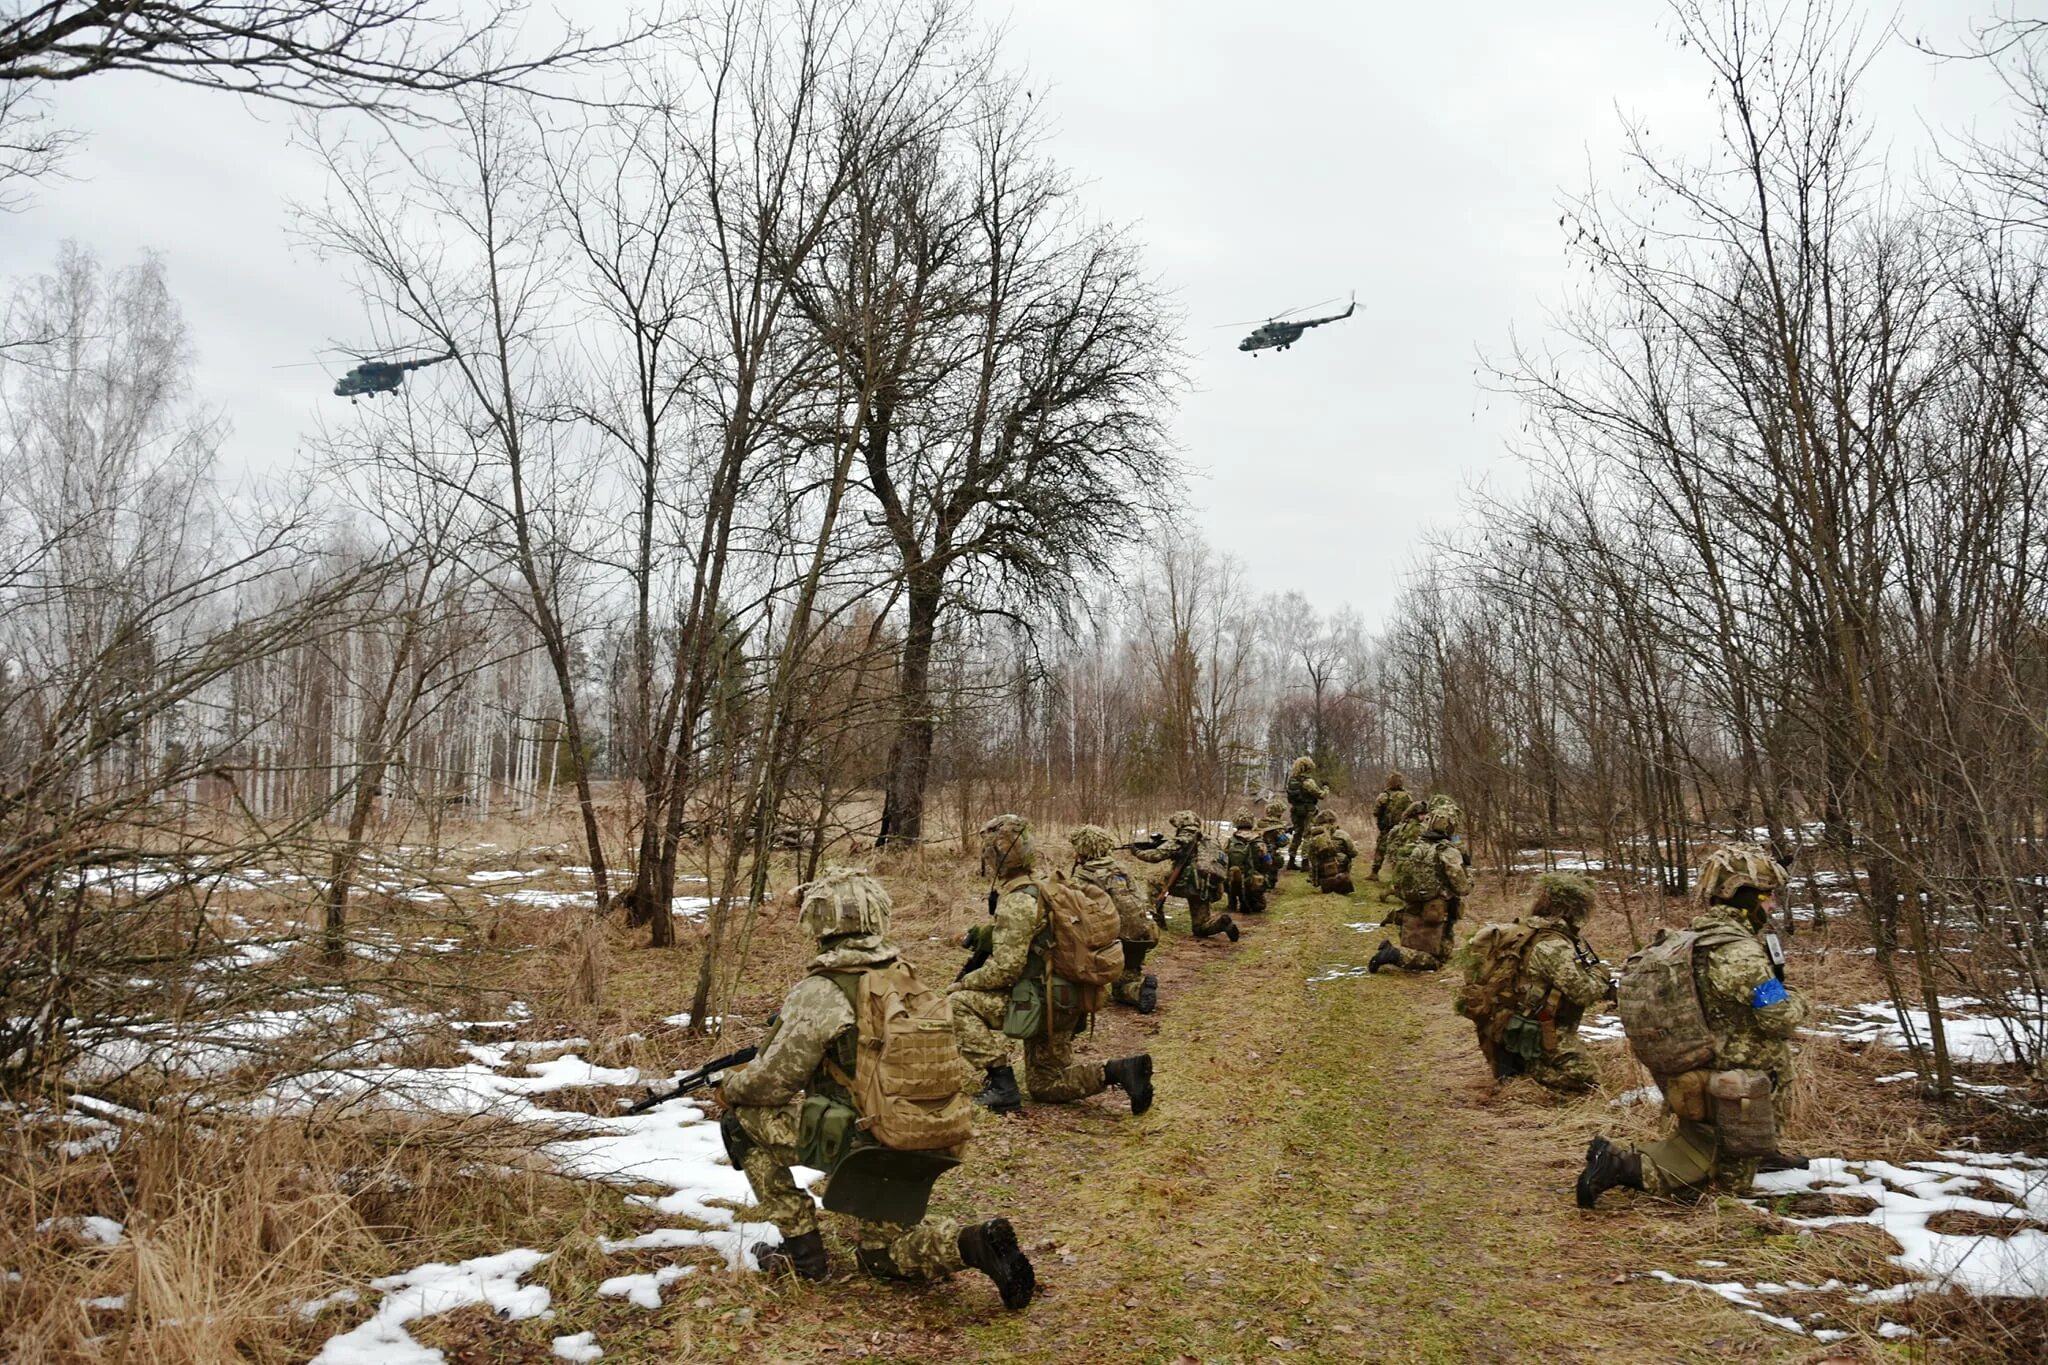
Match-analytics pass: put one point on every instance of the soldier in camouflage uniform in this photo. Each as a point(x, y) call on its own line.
point(1247, 865)
point(847, 912)
point(1399, 840)
point(1093, 864)
point(1432, 879)
point(1329, 855)
point(1193, 873)
point(1388, 810)
point(1304, 794)
point(1555, 987)
point(1274, 829)
point(1020, 944)
point(1753, 1017)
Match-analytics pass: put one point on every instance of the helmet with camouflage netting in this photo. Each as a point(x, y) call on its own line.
point(1564, 896)
point(1091, 842)
point(845, 900)
point(1184, 821)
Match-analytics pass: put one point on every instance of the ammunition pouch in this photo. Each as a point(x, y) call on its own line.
point(1686, 1095)
point(1026, 1016)
point(1523, 1038)
point(1069, 998)
point(825, 1132)
point(1744, 1113)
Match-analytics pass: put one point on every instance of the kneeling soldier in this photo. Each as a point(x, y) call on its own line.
point(799, 1103)
point(1094, 864)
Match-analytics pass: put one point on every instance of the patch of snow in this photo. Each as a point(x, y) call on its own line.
point(1601, 1028)
point(1972, 1037)
point(1337, 973)
point(1906, 1197)
point(92, 1227)
point(111, 1303)
point(506, 875)
point(644, 1291)
point(1366, 928)
point(1893, 1331)
point(1737, 1293)
point(581, 1346)
point(437, 1288)
point(694, 907)
point(313, 1308)
point(1644, 1094)
point(543, 900)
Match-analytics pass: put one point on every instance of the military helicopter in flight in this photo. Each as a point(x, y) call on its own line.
point(382, 376)
point(1282, 330)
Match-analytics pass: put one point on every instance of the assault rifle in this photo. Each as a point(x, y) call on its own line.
point(1180, 868)
point(1148, 842)
point(696, 1080)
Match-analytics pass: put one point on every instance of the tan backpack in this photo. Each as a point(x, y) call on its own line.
point(1660, 1006)
point(906, 1074)
point(1087, 945)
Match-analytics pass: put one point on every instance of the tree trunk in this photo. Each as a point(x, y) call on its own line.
point(910, 756)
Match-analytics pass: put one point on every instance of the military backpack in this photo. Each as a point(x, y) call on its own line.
point(1659, 1001)
point(1491, 995)
point(906, 1074)
point(1086, 941)
point(1417, 875)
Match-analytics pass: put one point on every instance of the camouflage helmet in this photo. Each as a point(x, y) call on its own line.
point(1442, 818)
point(1091, 842)
point(1322, 818)
point(1731, 867)
point(1395, 781)
point(1563, 896)
point(1276, 810)
point(1302, 766)
point(845, 900)
point(1243, 819)
point(1182, 821)
point(1006, 847)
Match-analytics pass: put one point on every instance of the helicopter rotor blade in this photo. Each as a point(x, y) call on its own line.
point(1303, 309)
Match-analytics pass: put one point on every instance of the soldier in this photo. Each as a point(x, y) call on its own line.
point(1530, 982)
point(1274, 829)
point(812, 1051)
point(1093, 863)
point(1387, 811)
point(1247, 866)
point(1329, 855)
point(1432, 879)
point(1740, 1007)
point(1194, 873)
point(1399, 840)
point(1019, 952)
point(1304, 794)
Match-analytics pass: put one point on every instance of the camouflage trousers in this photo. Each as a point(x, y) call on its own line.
point(1379, 854)
point(764, 1148)
point(1203, 918)
point(1299, 843)
point(1248, 896)
point(1125, 991)
point(1688, 1160)
point(1423, 946)
point(1567, 1070)
point(1050, 1071)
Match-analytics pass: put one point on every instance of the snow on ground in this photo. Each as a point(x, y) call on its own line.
point(1336, 972)
point(1365, 926)
point(1601, 1028)
point(505, 875)
point(2002, 1188)
point(91, 1228)
point(437, 1288)
point(1973, 1034)
point(581, 1346)
point(1648, 1094)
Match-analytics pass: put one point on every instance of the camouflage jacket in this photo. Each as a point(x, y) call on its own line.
point(1390, 807)
point(1304, 791)
point(1733, 976)
point(1552, 977)
point(1404, 834)
point(817, 1022)
point(1198, 855)
point(1020, 914)
point(1134, 925)
point(1247, 849)
point(1331, 844)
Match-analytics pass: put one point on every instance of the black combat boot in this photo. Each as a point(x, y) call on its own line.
point(1133, 1076)
point(999, 1095)
point(1387, 956)
point(802, 1256)
point(1148, 995)
point(992, 1249)
point(1606, 1167)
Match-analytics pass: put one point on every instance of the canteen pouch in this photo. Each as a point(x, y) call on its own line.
point(1744, 1113)
point(1686, 1095)
point(824, 1132)
point(1026, 1015)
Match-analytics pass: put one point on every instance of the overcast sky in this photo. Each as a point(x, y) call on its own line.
point(1268, 155)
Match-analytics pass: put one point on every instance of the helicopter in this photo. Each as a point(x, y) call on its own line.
point(382, 376)
point(1280, 331)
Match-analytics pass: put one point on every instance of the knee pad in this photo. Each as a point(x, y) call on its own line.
point(737, 1143)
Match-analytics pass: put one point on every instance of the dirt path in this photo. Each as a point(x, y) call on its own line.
point(1327, 1175)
